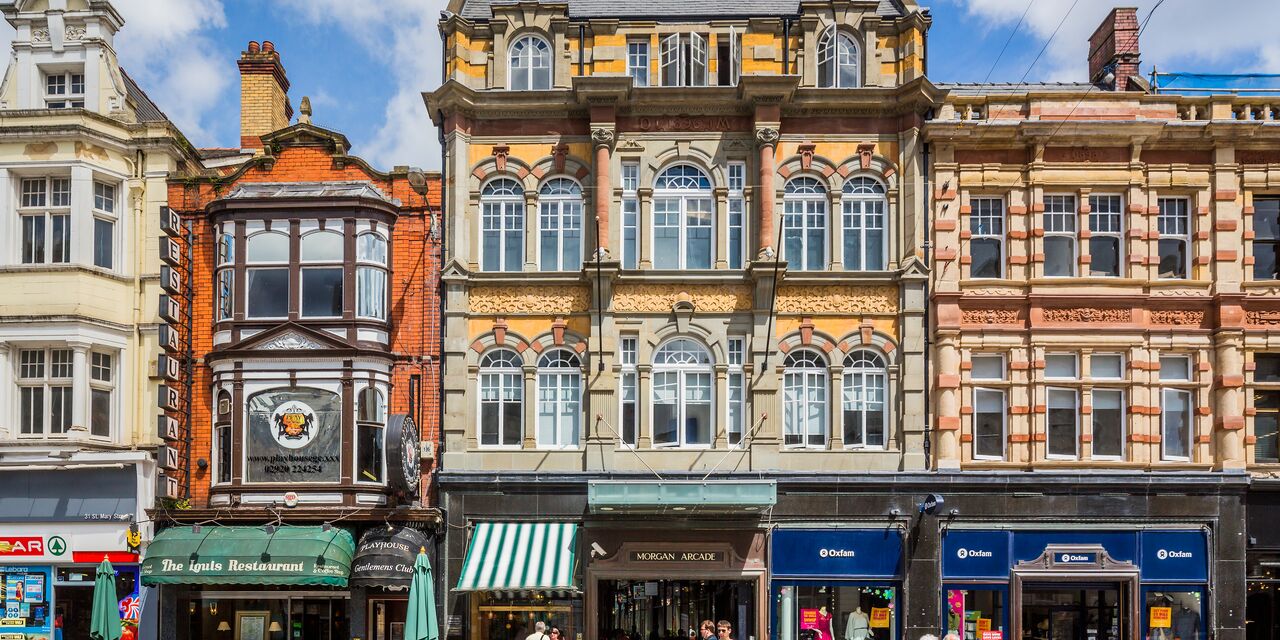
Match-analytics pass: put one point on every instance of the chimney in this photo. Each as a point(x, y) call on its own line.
point(1113, 48)
point(264, 94)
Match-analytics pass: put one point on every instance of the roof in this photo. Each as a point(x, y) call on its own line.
point(214, 153)
point(346, 189)
point(1204, 84)
point(672, 9)
point(983, 88)
point(145, 109)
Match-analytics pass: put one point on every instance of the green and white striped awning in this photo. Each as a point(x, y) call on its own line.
point(520, 556)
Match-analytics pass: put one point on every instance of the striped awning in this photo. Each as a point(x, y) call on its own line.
point(520, 556)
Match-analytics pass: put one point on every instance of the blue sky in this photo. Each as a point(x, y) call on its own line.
point(364, 63)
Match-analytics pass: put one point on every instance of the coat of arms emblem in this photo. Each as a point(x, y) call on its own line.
point(294, 424)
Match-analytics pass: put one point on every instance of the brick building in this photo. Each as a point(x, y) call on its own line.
point(314, 329)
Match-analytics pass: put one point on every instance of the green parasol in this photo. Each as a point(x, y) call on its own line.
point(420, 623)
point(105, 624)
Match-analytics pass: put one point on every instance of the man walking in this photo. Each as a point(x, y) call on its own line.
point(539, 632)
point(724, 630)
point(706, 630)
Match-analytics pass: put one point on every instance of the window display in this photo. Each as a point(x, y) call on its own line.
point(975, 613)
point(672, 609)
point(513, 616)
point(1175, 614)
point(836, 612)
point(26, 597)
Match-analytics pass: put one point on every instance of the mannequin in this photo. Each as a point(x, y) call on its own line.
point(1186, 623)
point(824, 624)
point(857, 627)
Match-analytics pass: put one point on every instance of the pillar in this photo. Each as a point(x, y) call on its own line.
point(79, 384)
point(1228, 391)
point(768, 139)
point(948, 385)
point(602, 198)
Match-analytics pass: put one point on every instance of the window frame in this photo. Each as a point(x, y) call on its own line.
point(378, 422)
point(99, 385)
point(1093, 424)
point(306, 264)
point(45, 383)
point(628, 391)
point(1072, 235)
point(804, 201)
point(630, 210)
point(1118, 217)
point(1181, 386)
point(68, 98)
point(851, 197)
point(539, 49)
point(108, 216)
point(812, 378)
point(501, 375)
point(225, 273)
point(544, 373)
point(638, 62)
point(50, 214)
point(688, 55)
point(980, 229)
point(736, 210)
point(1075, 412)
point(502, 208)
point(252, 265)
point(1271, 204)
point(683, 371)
point(1004, 422)
point(365, 264)
point(737, 418)
point(830, 53)
point(559, 204)
point(850, 371)
point(683, 197)
point(1162, 219)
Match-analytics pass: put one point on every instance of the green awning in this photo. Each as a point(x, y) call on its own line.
point(249, 555)
point(520, 556)
point(681, 496)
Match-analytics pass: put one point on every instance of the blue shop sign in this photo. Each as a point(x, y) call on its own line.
point(975, 554)
point(1075, 557)
point(1120, 545)
point(836, 553)
point(1175, 556)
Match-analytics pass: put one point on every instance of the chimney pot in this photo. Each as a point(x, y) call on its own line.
point(253, 46)
point(268, 46)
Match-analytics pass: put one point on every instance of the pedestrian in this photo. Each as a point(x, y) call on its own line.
point(539, 632)
point(724, 630)
point(706, 630)
point(556, 634)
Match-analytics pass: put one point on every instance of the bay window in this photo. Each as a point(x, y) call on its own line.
point(804, 399)
point(267, 278)
point(371, 276)
point(104, 224)
point(322, 274)
point(371, 421)
point(44, 208)
point(44, 391)
point(682, 395)
point(101, 379)
point(225, 277)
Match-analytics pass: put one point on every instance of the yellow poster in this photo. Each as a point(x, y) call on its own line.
point(1161, 617)
point(984, 624)
point(879, 618)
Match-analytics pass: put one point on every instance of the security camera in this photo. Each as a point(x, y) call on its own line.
point(597, 550)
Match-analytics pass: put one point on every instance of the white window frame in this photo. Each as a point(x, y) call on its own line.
point(1178, 389)
point(251, 266)
point(630, 214)
point(852, 395)
point(106, 210)
point(737, 418)
point(305, 263)
point(1075, 367)
point(380, 422)
point(684, 55)
point(502, 202)
point(805, 205)
point(372, 307)
point(1107, 224)
point(531, 61)
point(53, 204)
point(1004, 422)
point(68, 98)
point(628, 390)
point(1167, 225)
point(46, 382)
point(1049, 408)
point(737, 212)
point(684, 197)
point(1055, 221)
point(858, 203)
point(1107, 354)
point(1124, 422)
point(638, 62)
point(108, 385)
point(837, 50)
point(798, 384)
point(559, 215)
point(683, 369)
point(987, 223)
point(556, 378)
point(506, 376)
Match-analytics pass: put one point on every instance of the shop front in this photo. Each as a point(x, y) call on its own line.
point(830, 584)
point(1263, 561)
point(253, 583)
point(1076, 585)
point(381, 573)
point(659, 583)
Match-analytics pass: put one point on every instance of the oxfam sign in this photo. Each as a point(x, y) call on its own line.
point(837, 553)
point(965, 553)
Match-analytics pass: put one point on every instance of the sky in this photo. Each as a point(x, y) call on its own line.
point(365, 63)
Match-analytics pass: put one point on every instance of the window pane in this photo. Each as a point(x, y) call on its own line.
point(369, 467)
point(33, 239)
point(223, 453)
point(226, 280)
point(321, 292)
point(103, 240)
point(268, 247)
point(60, 251)
point(1060, 365)
point(986, 258)
point(989, 367)
point(988, 423)
point(966, 607)
point(1173, 258)
point(1266, 259)
point(665, 407)
point(1059, 256)
point(61, 363)
point(100, 413)
point(32, 418)
point(371, 247)
point(1266, 218)
point(1266, 426)
point(323, 246)
point(1108, 366)
point(1062, 422)
point(1108, 425)
point(268, 293)
point(1176, 424)
point(666, 233)
point(101, 367)
point(371, 292)
point(1175, 368)
point(1266, 367)
point(60, 410)
point(1104, 256)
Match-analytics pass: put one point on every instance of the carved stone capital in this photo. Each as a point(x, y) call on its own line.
point(766, 135)
point(602, 136)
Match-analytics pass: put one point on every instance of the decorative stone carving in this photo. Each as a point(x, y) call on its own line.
point(40, 35)
point(291, 340)
point(1086, 314)
point(1177, 293)
point(1267, 317)
point(602, 135)
point(1177, 316)
point(767, 135)
point(1002, 292)
point(989, 316)
point(843, 299)
point(529, 300)
point(631, 298)
point(630, 144)
point(74, 33)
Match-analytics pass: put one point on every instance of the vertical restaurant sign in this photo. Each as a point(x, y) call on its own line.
point(295, 435)
point(168, 363)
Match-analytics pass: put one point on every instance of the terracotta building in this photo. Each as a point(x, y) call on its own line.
point(314, 333)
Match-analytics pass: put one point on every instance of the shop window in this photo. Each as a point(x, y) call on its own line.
point(986, 243)
point(1106, 229)
point(838, 59)
point(73, 597)
point(44, 208)
point(865, 207)
point(804, 225)
point(684, 60)
point(1266, 426)
point(530, 64)
point(559, 399)
point(672, 609)
point(804, 399)
point(683, 219)
point(973, 611)
point(371, 419)
point(1053, 611)
point(502, 226)
point(560, 225)
point(512, 616)
point(865, 388)
point(682, 395)
point(837, 610)
point(638, 62)
point(1174, 224)
point(34, 590)
point(1174, 613)
point(501, 399)
point(1266, 239)
point(629, 392)
point(1059, 220)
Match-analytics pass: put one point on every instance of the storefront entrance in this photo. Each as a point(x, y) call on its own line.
point(672, 609)
point(1075, 612)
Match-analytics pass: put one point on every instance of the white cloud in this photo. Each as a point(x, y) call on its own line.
point(164, 46)
point(1183, 35)
point(402, 34)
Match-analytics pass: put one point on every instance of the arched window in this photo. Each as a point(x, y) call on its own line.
point(530, 64)
point(559, 399)
point(502, 226)
point(804, 399)
point(837, 59)
point(501, 399)
point(322, 274)
point(864, 400)
point(267, 277)
point(804, 222)
point(682, 395)
point(683, 220)
point(371, 420)
point(560, 225)
point(371, 276)
point(864, 217)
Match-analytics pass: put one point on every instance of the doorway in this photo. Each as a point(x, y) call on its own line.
point(672, 609)
point(386, 618)
point(1076, 611)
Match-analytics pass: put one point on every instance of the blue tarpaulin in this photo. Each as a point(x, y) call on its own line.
point(1207, 84)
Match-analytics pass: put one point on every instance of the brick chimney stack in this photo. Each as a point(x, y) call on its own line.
point(1114, 47)
point(264, 94)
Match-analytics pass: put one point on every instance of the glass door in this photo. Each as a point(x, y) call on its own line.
point(1075, 612)
point(386, 618)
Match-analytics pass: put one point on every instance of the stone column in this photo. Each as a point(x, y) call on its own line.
point(530, 407)
point(531, 230)
point(768, 139)
point(948, 386)
point(721, 255)
point(1228, 390)
point(602, 137)
point(7, 429)
point(643, 229)
point(79, 384)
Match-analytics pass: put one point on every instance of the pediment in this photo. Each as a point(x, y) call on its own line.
point(291, 336)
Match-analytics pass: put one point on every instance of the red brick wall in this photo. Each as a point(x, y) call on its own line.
point(1115, 40)
point(414, 286)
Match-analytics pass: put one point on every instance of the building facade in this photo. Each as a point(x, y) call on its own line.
point(84, 155)
point(315, 376)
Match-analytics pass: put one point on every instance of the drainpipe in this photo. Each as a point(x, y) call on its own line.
point(928, 330)
point(582, 47)
point(786, 46)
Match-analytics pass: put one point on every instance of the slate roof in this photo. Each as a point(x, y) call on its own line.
point(673, 9)
point(344, 189)
point(147, 111)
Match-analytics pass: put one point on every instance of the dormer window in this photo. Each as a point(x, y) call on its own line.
point(684, 60)
point(837, 60)
point(64, 90)
point(530, 64)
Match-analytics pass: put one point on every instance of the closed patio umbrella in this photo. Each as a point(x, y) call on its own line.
point(420, 623)
point(105, 624)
